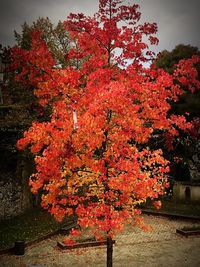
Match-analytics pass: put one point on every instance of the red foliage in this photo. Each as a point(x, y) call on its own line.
point(97, 168)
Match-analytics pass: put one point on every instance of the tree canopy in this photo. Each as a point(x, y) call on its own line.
point(92, 157)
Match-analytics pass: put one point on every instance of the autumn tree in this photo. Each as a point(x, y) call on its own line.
point(91, 156)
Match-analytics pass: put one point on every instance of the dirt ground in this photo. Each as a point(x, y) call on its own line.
point(159, 248)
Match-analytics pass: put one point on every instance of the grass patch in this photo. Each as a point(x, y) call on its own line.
point(29, 226)
point(176, 207)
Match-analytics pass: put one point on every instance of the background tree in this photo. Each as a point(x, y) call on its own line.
point(186, 146)
point(5, 59)
point(58, 42)
point(56, 38)
point(102, 119)
point(189, 102)
point(167, 60)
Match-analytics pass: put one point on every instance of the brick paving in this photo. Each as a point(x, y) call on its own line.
point(159, 248)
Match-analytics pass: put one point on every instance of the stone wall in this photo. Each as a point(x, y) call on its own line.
point(15, 169)
point(15, 195)
point(11, 197)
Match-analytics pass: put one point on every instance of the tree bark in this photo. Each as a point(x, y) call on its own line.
point(109, 252)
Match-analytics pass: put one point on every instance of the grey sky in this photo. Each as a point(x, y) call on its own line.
point(178, 20)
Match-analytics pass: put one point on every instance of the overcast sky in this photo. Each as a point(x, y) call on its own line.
point(178, 20)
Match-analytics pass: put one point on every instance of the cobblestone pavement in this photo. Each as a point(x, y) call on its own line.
point(159, 248)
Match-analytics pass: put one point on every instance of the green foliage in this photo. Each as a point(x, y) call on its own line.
point(188, 103)
point(29, 226)
point(14, 118)
point(167, 60)
point(56, 38)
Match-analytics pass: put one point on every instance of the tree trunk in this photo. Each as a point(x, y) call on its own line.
point(109, 252)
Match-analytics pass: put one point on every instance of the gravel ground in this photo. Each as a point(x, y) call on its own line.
point(159, 248)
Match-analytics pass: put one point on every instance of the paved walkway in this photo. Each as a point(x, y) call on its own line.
point(159, 248)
